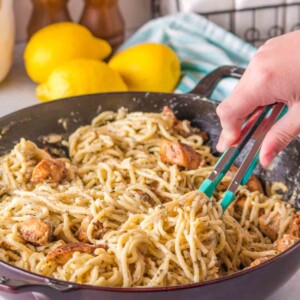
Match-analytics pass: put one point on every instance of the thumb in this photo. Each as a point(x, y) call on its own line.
point(280, 135)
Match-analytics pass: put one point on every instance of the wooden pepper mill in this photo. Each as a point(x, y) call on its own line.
point(104, 19)
point(46, 12)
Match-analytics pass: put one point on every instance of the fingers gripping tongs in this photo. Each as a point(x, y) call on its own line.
point(256, 127)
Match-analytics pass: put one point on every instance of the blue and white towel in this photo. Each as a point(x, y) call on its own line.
point(201, 45)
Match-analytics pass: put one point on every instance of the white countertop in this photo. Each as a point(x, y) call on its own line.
point(17, 92)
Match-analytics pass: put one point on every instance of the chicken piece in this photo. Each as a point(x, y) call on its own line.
point(253, 183)
point(271, 228)
point(240, 204)
point(49, 170)
point(294, 227)
point(259, 261)
point(286, 242)
point(36, 231)
point(63, 253)
point(186, 129)
point(180, 155)
point(154, 187)
point(97, 232)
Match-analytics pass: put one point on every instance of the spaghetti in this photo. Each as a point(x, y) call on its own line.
point(116, 214)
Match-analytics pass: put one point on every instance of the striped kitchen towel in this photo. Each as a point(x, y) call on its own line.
point(200, 45)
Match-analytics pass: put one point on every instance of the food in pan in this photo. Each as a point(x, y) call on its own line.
point(124, 209)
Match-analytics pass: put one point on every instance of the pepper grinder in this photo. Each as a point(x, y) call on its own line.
point(46, 12)
point(104, 19)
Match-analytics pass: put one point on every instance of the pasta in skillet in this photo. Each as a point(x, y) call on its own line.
point(124, 209)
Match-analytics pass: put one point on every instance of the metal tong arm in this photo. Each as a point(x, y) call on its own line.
point(248, 165)
point(226, 160)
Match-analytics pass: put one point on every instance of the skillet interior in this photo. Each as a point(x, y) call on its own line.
point(42, 120)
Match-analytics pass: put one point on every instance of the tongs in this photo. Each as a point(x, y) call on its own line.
point(256, 128)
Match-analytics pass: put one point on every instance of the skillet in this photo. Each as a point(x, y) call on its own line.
point(65, 116)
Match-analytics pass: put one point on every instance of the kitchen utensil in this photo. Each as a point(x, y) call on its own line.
point(256, 127)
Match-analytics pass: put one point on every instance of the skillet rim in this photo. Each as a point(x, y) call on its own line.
point(76, 286)
point(243, 272)
point(67, 99)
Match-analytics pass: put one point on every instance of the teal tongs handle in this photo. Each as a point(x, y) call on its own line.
point(254, 163)
point(257, 130)
point(228, 157)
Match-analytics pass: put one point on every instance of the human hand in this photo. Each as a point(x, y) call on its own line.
point(272, 76)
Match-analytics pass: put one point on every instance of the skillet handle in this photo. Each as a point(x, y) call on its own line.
point(25, 285)
point(206, 86)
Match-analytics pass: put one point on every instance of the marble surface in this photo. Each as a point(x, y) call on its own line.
point(17, 92)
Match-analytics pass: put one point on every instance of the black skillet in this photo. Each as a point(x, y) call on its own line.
point(42, 120)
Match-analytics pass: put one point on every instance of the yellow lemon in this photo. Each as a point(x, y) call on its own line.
point(148, 67)
point(58, 43)
point(78, 77)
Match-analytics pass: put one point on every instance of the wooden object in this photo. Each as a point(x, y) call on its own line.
point(46, 12)
point(104, 19)
point(7, 36)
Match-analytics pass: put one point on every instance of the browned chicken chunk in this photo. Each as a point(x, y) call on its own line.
point(271, 228)
point(49, 170)
point(294, 227)
point(240, 203)
point(97, 232)
point(63, 253)
point(253, 184)
point(179, 154)
point(259, 261)
point(178, 126)
point(36, 231)
point(286, 242)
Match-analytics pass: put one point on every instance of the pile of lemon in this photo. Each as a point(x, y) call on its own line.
point(66, 60)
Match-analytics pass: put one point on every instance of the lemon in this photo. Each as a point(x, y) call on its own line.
point(58, 43)
point(148, 67)
point(78, 77)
